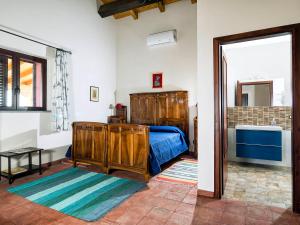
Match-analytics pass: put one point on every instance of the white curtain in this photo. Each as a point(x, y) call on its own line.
point(60, 93)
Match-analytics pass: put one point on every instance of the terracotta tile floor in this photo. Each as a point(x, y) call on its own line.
point(161, 203)
point(263, 184)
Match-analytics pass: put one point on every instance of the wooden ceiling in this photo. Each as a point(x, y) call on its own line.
point(134, 13)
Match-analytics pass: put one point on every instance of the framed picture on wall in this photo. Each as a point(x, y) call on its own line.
point(157, 80)
point(94, 94)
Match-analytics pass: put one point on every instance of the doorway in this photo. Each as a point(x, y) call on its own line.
point(220, 86)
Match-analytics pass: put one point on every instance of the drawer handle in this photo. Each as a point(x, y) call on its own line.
point(278, 146)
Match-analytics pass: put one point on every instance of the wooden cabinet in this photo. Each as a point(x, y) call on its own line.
point(116, 119)
point(120, 117)
point(89, 143)
point(128, 148)
point(160, 108)
point(122, 112)
point(196, 137)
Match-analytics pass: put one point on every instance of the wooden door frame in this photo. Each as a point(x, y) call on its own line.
point(294, 30)
point(224, 143)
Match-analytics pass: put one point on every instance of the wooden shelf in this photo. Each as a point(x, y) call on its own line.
point(26, 171)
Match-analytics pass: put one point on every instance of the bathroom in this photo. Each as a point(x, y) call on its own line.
point(259, 110)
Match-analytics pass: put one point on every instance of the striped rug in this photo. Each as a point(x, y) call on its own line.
point(79, 193)
point(183, 172)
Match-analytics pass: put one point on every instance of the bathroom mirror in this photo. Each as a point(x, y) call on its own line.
point(255, 93)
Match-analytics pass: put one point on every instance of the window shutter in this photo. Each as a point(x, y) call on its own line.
point(3, 80)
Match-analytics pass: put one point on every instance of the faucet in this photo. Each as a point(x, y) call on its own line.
point(273, 123)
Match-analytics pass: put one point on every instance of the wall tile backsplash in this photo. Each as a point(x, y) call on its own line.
point(260, 115)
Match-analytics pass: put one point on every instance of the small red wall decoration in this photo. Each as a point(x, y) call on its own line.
point(157, 80)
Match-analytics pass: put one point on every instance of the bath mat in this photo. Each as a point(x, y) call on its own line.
point(79, 193)
point(183, 172)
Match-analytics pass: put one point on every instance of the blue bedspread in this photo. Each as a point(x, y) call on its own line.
point(166, 143)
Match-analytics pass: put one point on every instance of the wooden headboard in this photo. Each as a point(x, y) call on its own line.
point(160, 108)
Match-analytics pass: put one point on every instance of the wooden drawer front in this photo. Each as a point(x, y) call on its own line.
point(128, 146)
point(116, 119)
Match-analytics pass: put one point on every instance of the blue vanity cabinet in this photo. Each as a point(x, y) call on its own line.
point(259, 144)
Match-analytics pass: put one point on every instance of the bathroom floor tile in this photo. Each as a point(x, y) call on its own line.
point(262, 184)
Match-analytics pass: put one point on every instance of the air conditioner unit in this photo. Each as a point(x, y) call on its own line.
point(166, 37)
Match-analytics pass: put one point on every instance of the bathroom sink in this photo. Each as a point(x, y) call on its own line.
point(254, 127)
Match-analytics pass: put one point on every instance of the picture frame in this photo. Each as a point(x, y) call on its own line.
point(157, 80)
point(94, 94)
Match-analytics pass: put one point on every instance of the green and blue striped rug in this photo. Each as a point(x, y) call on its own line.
point(79, 193)
point(183, 172)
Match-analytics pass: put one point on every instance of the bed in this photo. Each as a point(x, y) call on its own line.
point(166, 143)
point(158, 133)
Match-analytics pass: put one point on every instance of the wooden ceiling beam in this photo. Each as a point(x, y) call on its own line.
point(161, 6)
point(120, 6)
point(134, 14)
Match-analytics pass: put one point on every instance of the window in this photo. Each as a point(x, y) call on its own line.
point(22, 81)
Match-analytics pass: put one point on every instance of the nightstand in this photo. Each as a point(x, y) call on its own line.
point(116, 119)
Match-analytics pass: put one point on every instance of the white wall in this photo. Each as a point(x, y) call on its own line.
point(219, 18)
point(262, 62)
point(74, 25)
point(136, 61)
